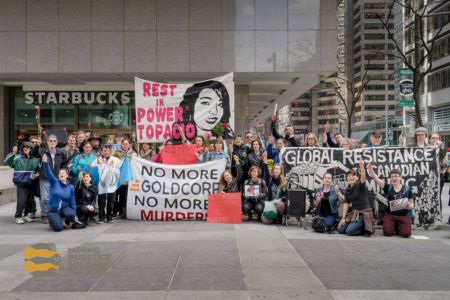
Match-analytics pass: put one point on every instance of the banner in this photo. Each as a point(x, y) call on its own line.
point(225, 208)
point(179, 154)
point(406, 87)
point(305, 168)
point(196, 107)
point(171, 192)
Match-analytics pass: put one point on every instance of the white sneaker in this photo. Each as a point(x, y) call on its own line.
point(19, 221)
point(32, 215)
point(28, 219)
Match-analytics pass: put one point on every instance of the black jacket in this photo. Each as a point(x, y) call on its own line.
point(86, 195)
point(56, 165)
point(291, 141)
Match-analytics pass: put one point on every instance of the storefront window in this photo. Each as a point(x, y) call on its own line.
point(103, 113)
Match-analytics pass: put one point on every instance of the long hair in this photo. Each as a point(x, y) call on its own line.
point(222, 182)
point(283, 180)
point(191, 96)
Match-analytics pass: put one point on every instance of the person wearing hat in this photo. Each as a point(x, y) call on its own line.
point(25, 171)
point(95, 142)
point(375, 139)
point(420, 137)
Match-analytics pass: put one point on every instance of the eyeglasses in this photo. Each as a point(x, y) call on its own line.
point(248, 137)
point(434, 138)
point(311, 138)
point(52, 141)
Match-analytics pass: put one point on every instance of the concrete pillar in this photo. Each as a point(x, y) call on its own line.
point(4, 121)
point(241, 109)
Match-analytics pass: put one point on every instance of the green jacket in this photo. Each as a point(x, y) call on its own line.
point(20, 163)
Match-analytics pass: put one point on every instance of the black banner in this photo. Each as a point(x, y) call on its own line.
point(305, 168)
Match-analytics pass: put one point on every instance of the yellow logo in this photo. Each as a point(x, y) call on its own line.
point(41, 258)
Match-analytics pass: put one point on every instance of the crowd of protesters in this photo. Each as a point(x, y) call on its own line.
point(79, 180)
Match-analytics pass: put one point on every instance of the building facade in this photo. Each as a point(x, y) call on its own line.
point(92, 49)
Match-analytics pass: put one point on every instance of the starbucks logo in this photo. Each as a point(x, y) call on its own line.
point(116, 117)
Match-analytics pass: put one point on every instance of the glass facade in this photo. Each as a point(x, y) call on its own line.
point(101, 119)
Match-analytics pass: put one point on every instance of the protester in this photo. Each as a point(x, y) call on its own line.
point(83, 163)
point(257, 156)
point(345, 144)
point(325, 205)
point(255, 193)
point(361, 219)
point(146, 152)
point(241, 151)
point(420, 136)
point(158, 156)
point(311, 140)
point(276, 191)
point(248, 140)
point(375, 139)
point(26, 170)
point(120, 205)
point(70, 150)
point(109, 172)
point(81, 139)
point(218, 153)
point(57, 160)
point(327, 137)
point(95, 142)
point(86, 198)
point(274, 153)
point(201, 148)
point(435, 140)
point(62, 198)
point(396, 218)
point(288, 133)
point(227, 183)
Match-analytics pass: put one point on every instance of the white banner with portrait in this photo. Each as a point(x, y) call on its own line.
point(195, 107)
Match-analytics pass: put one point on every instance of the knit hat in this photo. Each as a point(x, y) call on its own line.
point(27, 144)
point(421, 130)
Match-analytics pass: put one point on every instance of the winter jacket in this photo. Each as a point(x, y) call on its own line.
point(59, 162)
point(62, 195)
point(273, 153)
point(20, 162)
point(86, 195)
point(291, 141)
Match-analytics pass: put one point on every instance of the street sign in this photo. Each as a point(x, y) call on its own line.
point(407, 103)
point(406, 88)
point(390, 135)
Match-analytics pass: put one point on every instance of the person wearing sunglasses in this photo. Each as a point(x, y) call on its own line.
point(56, 161)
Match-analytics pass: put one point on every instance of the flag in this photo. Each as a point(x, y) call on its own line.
point(125, 172)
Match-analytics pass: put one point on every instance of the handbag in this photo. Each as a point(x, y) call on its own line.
point(23, 178)
point(270, 211)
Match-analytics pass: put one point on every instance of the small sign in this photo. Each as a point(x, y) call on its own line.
point(406, 72)
point(406, 88)
point(224, 208)
point(407, 103)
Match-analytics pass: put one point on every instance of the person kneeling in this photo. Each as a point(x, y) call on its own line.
point(62, 198)
point(361, 219)
point(400, 201)
point(255, 191)
point(325, 206)
point(86, 196)
point(276, 186)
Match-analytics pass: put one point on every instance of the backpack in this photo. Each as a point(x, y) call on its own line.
point(319, 225)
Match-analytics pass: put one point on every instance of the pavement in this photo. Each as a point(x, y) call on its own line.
point(196, 260)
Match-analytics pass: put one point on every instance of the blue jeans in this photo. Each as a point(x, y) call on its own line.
point(44, 185)
point(54, 218)
point(353, 228)
point(330, 220)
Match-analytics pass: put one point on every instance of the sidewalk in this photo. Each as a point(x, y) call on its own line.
point(196, 260)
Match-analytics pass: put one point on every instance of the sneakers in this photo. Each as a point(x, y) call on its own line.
point(44, 220)
point(19, 221)
point(28, 219)
point(32, 215)
point(109, 220)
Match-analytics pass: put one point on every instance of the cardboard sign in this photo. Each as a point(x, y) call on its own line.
point(183, 154)
point(224, 208)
